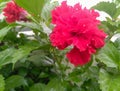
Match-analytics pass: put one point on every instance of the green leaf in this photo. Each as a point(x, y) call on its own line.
point(4, 31)
point(2, 83)
point(12, 55)
point(37, 87)
point(3, 1)
point(33, 7)
point(46, 11)
point(55, 85)
point(110, 10)
point(2, 5)
point(77, 89)
point(15, 81)
point(109, 55)
point(117, 43)
point(117, 12)
point(3, 24)
point(39, 58)
point(6, 56)
point(75, 76)
point(109, 82)
point(22, 52)
point(31, 25)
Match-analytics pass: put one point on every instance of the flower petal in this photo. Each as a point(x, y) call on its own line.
point(78, 58)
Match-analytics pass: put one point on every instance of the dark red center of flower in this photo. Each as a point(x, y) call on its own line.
point(75, 34)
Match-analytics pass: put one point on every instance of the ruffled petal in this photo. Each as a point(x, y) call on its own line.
point(78, 58)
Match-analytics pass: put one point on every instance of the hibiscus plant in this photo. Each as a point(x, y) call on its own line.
point(48, 46)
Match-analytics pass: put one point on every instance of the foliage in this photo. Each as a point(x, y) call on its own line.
point(109, 82)
point(2, 83)
point(30, 63)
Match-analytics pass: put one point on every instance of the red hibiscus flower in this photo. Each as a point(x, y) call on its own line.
point(77, 27)
point(13, 12)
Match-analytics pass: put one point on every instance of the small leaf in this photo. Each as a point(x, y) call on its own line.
point(3, 24)
point(31, 25)
point(117, 12)
point(4, 31)
point(77, 89)
point(2, 83)
point(109, 55)
point(39, 58)
point(46, 11)
point(2, 5)
point(22, 52)
point(37, 87)
point(117, 43)
point(110, 10)
point(6, 56)
point(109, 82)
point(15, 81)
point(55, 85)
